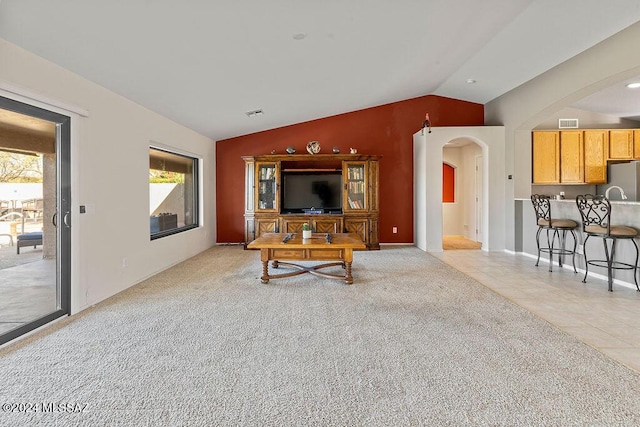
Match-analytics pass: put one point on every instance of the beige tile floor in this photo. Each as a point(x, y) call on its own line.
point(607, 321)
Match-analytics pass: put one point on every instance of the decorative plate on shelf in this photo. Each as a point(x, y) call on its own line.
point(313, 147)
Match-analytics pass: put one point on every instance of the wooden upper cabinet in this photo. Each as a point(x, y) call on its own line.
point(580, 156)
point(571, 157)
point(546, 157)
point(621, 144)
point(596, 153)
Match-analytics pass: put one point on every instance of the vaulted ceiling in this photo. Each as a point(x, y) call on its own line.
point(205, 64)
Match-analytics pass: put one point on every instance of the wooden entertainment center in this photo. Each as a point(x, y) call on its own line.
point(359, 210)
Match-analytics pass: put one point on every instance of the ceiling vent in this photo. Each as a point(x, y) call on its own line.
point(254, 113)
point(567, 123)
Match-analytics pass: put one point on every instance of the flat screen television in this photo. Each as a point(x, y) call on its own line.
point(311, 190)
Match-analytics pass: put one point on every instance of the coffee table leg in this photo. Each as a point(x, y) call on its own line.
point(348, 258)
point(348, 277)
point(265, 272)
point(264, 257)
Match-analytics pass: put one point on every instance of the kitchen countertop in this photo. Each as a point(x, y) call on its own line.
point(613, 202)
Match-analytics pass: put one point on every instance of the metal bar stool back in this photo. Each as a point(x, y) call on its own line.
point(556, 229)
point(596, 221)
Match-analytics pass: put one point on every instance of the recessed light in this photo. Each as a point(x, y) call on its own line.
point(471, 81)
point(299, 36)
point(634, 85)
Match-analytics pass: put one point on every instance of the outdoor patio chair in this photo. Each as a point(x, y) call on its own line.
point(33, 208)
point(29, 239)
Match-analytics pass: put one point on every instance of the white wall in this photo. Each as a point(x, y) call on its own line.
point(469, 154)
point(459, 218)
point(427, 168)
point(587, 120)
point(525, 107)
point(452, 213)
point(110, 162)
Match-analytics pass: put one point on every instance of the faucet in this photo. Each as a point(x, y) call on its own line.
point(606, 194)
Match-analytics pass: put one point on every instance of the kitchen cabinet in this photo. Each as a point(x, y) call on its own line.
point(580, 156)
point(558, 157)
point(546, 157)
point(596, 153)
point(621, 144)
point(571, 157)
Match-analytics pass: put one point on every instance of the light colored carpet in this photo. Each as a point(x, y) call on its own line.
point(411, 342)
point(459, 242)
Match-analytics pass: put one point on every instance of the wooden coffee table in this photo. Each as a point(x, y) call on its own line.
point(336, 247)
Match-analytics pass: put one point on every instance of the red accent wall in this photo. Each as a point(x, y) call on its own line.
point(448, 183)
point(386, 130)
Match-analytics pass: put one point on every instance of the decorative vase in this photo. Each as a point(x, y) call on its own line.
point(336, 150)
point(291, 149)
point(306, 234)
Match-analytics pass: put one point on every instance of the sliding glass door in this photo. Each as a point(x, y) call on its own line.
point(35, 223)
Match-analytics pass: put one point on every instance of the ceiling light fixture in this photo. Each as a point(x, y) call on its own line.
point(254, 113)
point(299, 36)
point(634, 85)
point(471, 81)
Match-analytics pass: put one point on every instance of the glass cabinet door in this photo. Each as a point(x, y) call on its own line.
point(267, 187)
point(355, 175)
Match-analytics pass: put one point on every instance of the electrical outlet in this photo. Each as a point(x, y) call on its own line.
point(395, 230)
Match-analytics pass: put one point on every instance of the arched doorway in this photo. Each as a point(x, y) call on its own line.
point(428, 209)
point(462, 194)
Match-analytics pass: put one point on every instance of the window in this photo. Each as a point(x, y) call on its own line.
point(173, 192)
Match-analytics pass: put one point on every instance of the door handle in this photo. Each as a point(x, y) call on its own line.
point(54, 219)
point(65, 219)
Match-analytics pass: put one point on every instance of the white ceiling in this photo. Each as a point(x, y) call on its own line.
point(617, 100)
point(205, 63)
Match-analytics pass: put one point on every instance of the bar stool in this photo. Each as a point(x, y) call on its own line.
point(596, 221)
point(556, 229)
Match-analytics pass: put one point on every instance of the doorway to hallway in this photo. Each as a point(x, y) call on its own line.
point(462, 196)
point(459, 242)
